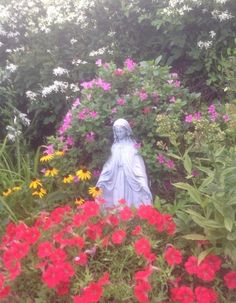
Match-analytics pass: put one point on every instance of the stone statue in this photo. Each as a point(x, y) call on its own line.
point(124, 176)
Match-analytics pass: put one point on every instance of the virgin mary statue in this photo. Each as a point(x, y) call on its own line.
point(124, 176)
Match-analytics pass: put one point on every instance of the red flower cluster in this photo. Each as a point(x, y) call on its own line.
point(184, 294)
point(173, 256)
point(230, 279)
point(206, 270)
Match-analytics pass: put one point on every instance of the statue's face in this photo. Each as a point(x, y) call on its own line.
point(120, 133)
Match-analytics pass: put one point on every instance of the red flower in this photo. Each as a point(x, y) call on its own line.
point(104, 279)
point(137, 230)
point(191, 265)
point(141, 291)
point(230, 279)
point(118, 236)
point(213, 261)
point(93, 293)
point(182, 294)
point(205, 272)
point(62, 289)
point(45, 249)
point(82, 259)
point(205, 295)
point(5, 292)
point(94, 231)
point(173, 256)
point(142, 247)
point(58, 255)
point(126, 214)
point(143, 275)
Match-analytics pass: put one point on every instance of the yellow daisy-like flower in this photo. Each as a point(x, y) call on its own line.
point(35, 183)
point(51, 172)
point(41, 192)
point(95, 191)
point(83, 174)
point(7, 192)
point(79, 201)
point(46, 158)
point(17, 188)
point(68, 179)
point(59, 153)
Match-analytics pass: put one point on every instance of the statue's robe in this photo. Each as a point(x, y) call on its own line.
point(124, 177)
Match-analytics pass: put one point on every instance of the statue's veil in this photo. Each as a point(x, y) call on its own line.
point(125, 124)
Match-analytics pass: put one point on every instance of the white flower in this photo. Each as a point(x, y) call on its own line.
point(31, 95)
point(74, 87)
point(23, 118)
point(59, 71)
point(12, 133)
point(77, 62)
point(100, 51)
point(212, 34)
point(57, 86)
point(205, 44)
point(73, 41)
point(11, 68)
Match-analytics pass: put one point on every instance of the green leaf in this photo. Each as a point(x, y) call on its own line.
point(158, 59)
point(174, 156)
point(204, 254)
point(228, 222)
point(207, 181)
point(194, 237)
point(202, 221)
point(187, 164)
point(194, 193)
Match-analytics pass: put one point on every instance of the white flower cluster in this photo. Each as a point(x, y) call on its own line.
point(57, 86)
point(31, 95)
point(77, 62)
point(74, 87)
point(11, 67)
point(59, 71)
point(205, 44)
point(221, 15)
point(98, 52)
point(12, 133)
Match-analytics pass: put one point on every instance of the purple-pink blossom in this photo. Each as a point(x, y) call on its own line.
point(76, 103)
point(120, 101)
point(99, 62)
point(130, 64)
point(49, 149)
point(170, 164)
point(160, 158)
point(90, 137)
point(66, 123)
point(188, 118)
point(226, 118)
point(70, 141)
point(172, 99)
point(143, 95)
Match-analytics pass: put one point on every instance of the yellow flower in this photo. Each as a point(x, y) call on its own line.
point(79, 201)
point(83, 174)
point(68, 179)
point(7, 192)
point(16, 188)
point(51, 172)
point(95, 191)
point(59, 153)
point(35, 183)
point(46, 158)
point(41, 192)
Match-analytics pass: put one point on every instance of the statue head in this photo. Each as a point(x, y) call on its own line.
point(122, 130)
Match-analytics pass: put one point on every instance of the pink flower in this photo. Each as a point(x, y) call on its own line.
point(119, 72)
point(99, 62)
point(76, 103)
point(90, 137)
point(172, 99)
point(170, 164)
point(226, 118)
point(70, 141)
point(142, 247)
point(120, 101)
point(161, 159)
point(143, 95)
point(49, 149)
point(130, 64)
point(197, 116)
point(114, 110)
point(188, 118)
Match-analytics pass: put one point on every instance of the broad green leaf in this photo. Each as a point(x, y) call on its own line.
point(194, 237)
point(193, 192)
point(228, 222)
point(207, 181)
point(174, 156)
point(202, 221)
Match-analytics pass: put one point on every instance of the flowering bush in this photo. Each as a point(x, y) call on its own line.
point(85, 255)
point(137, 92)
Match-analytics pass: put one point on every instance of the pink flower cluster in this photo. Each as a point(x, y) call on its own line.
point(193, 117)
point(213, 113)
point(130, 64)
point(66, 123)
point(167, 162)
point(86, 113)
point(106, 86)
